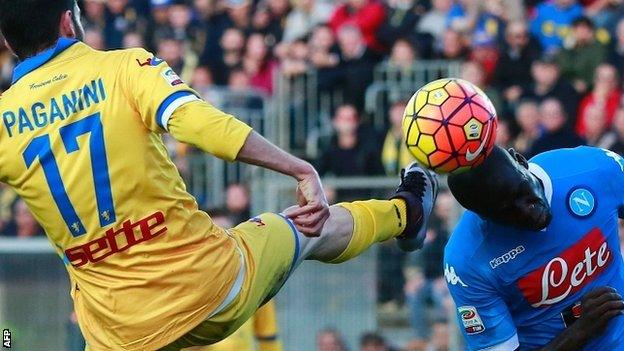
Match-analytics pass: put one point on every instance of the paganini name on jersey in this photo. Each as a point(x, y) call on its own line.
point(41, 114)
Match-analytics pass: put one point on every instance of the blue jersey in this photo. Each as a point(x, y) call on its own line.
point(552, 24)
point(520, 289)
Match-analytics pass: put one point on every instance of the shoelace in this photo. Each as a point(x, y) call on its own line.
point(415, 182)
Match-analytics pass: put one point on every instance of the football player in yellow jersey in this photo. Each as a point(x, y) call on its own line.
point(80, 142)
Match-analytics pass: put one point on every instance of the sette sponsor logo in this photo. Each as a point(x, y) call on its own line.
point(115, 241)
point(451, 277)
point(569, 272)
point(470, 320)
point(506, 257)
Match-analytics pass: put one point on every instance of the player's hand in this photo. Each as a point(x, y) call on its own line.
point(313, 209)
point(599, 306)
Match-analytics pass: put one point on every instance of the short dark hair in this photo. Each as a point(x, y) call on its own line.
point(32, 25)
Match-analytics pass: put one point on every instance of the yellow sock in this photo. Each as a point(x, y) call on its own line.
point(373, 221)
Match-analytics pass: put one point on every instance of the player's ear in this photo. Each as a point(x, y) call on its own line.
point(67, 28)
point(518, 157)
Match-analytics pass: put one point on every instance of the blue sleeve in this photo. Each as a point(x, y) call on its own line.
point(482, 315)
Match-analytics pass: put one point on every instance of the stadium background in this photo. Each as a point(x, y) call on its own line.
point(327, 80)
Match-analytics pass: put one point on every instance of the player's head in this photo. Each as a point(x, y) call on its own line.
point(503, 190)
point(30, 26)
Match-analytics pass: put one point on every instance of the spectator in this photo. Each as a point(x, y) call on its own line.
point(400, 22)
point(258, 64)
point(159, 20)
point(552, 21)
point(119, 18)
point(528, 119)
point(373, 342)
point(26, 225)
point(595, 125)
point(394, 154)
point(482, 21)
point(232, 16)
point(547, 83)
point(357, 63)
point(323, 51)
point(453, 47)
point(133, 40)
point(366, 15)
point(202, 79)
point(579, 62)
point(616, 51)
point(306, 15)
point(330, 340)
point(429, 285)
point(434, 21)
point(474, 73)
point(183, 27)
point(503, 134)
point(350, 151)
point(93, 13)
point(513, 70)
point(237, 203)
point(231, 49)
point(94, 38)
point(614, 139)
point(172, 51)
point(403, 55)
point(557, 134)
point(605, 96)
point(294, 57)
point(267, 23)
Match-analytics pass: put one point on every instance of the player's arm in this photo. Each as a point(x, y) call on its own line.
point(599, 306)
point(213, 131)
point(166, 104)
point(482, 315)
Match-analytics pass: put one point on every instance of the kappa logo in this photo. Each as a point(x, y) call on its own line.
point(506, 257)
point(471, 320)
point(581, 202)
point(451, 277)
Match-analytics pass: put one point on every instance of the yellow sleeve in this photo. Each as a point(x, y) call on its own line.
point(202, 125)
point(265, 328)
point(153, 88)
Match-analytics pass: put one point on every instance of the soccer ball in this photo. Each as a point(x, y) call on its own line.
point(449, 125)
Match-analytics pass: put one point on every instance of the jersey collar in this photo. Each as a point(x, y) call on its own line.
point(32, 63)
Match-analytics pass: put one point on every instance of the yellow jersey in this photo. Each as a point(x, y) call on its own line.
point(80, 142)
point(260, 330)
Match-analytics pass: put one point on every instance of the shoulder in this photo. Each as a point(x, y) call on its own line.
point(469, 229)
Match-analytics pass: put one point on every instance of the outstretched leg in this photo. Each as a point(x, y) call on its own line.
point(353, 227)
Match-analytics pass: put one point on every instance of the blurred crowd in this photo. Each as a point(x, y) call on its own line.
point(551, 68)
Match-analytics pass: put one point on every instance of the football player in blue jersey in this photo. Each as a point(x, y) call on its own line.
point(535, 262)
